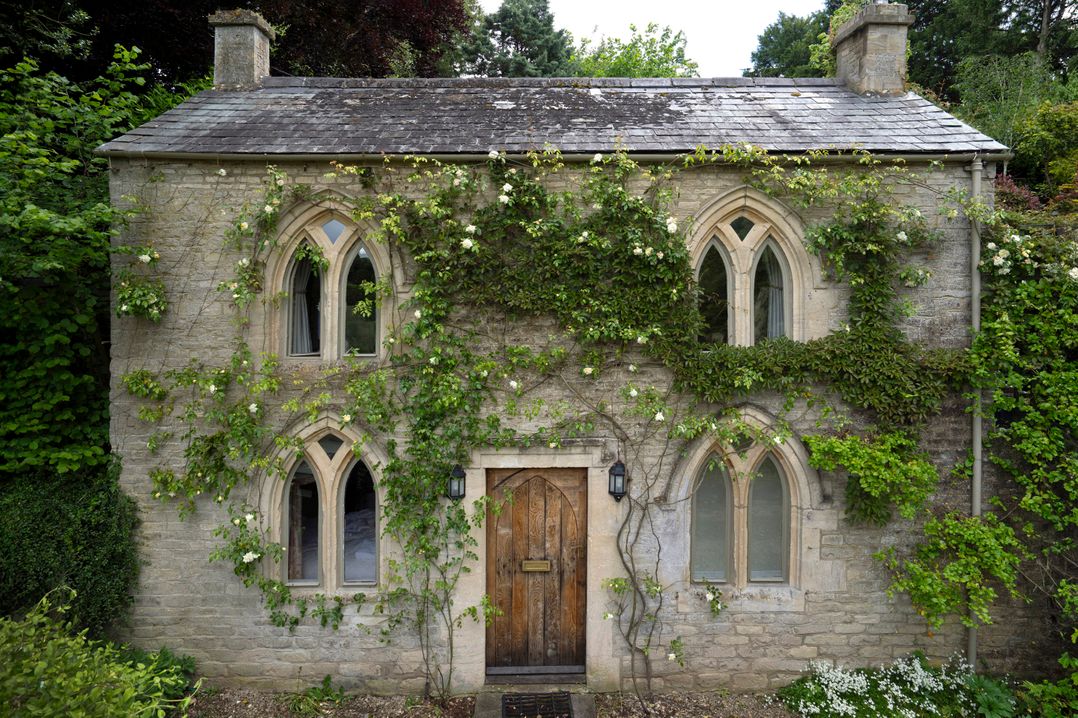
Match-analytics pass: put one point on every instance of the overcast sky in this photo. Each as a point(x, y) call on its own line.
point(721, 34)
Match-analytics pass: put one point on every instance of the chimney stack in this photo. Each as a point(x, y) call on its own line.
point(241, 49)
point(870, 49)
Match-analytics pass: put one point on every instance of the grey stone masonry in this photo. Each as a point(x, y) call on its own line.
point(870, 50)
point(241, 49)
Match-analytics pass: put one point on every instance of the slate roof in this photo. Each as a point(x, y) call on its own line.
point(328, 116)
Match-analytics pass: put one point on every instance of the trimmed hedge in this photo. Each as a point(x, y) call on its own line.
point(77, 532)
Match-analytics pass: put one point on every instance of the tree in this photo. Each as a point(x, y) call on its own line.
point(783, 47)
point(652, 53)
point(519, 40)
point(333, 37)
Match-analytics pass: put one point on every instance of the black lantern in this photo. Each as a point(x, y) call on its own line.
point(455, 490)
point(617, 481)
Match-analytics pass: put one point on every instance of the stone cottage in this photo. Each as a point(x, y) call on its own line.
point(798, 580)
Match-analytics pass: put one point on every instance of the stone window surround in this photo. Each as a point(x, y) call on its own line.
point(331, 476)
point(775, 225)
point(791, 458)
point(304, 224)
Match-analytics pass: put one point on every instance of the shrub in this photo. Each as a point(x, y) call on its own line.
point(908, 688)
point(47, 670)
point(76, 532)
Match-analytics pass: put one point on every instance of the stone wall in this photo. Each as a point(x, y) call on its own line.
point(835, 607)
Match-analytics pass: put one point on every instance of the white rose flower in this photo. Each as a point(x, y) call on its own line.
point(418, 314)
point(587, 371)
point(503, 198)
point(671, 656)
point(513, 384)
point(249, 518)
point(659, 254)
point(223, 172)
point(1073, 274)
point(598, 157)
point(1004, 253)
point(245, 262)
point(710, 596)
point(243, 226)
point(280, 181)
point(641, 339)
point(250, 557)
point(638, 251)
point(507, 187)
point(467, 243)
point(671, 225)
point(268, 209)
point(648, 251)
point(456, 182)
point(236, 522)
point(145, 258)
point(346, 418)
point(902, 237)
point(659, 416)
point(632, 368)
point(470, 229)
point(998, 260)
point(493, 154)
point(633, 393)
point(253, 408)
point(433, 361)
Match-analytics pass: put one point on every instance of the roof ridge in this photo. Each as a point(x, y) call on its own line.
point(545, 82)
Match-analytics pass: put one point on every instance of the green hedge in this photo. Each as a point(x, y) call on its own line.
point(76, 532)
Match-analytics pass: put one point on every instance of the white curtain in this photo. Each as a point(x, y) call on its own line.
point(776, 320)
point(301, 324)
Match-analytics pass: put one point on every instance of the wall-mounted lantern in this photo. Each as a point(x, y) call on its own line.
point(455, 489)
point(617, 481)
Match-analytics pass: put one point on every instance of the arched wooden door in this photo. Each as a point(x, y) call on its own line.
point(537, 571)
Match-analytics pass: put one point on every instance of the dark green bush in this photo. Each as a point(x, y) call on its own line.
point(46, 669)
point(76, 532)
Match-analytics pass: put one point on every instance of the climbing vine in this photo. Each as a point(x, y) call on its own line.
point(595, 253)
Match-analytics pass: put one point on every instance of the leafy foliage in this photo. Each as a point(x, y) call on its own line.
point(1047, 146)
point(782, 49)
point(908, 687)
point(519, 40)
point(77, 532)
point(651, 53)
point(46, 670)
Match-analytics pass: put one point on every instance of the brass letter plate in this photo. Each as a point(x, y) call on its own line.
point(529, 566)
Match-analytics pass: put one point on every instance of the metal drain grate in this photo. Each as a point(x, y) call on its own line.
point(537, 705)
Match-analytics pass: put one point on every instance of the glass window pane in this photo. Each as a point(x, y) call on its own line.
point(330, 444)
point(360, 527)
point(768, 304)
point(333, 229)
point(303, 525)
point(714, 298)
point(361, 311)
point(742, 226)
point(768, 524)
point(710, 524)
point(304, 310)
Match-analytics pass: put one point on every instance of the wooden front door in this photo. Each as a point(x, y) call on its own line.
point(536, 570)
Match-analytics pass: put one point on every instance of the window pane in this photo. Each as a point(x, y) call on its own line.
point(742, 226)
point(303, 525)
point(360, 526)
point(714, 298)
point(333, 229)
point(330, 443)
point(768, 524)
point(304, 314)
point(361, 314)
point(768, 312)
point(710, 524)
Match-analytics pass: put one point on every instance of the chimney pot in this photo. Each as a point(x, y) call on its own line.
point(870, 49)
point(241, 49)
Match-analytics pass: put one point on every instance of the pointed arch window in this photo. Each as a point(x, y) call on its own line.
point(747, 287)
point(328, 509)
point(711, 525)
point(714, 283)
point(740, 529)
point(303, 522)
point(360, 307)
point(768, 297)
point(330, 277)
point(359, 541)
point(305, 302)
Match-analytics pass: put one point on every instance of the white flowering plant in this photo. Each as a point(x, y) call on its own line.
point(140, 296)
point(908, 688)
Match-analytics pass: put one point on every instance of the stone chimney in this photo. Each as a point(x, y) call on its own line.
point(241, 49)
point(870, 49)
